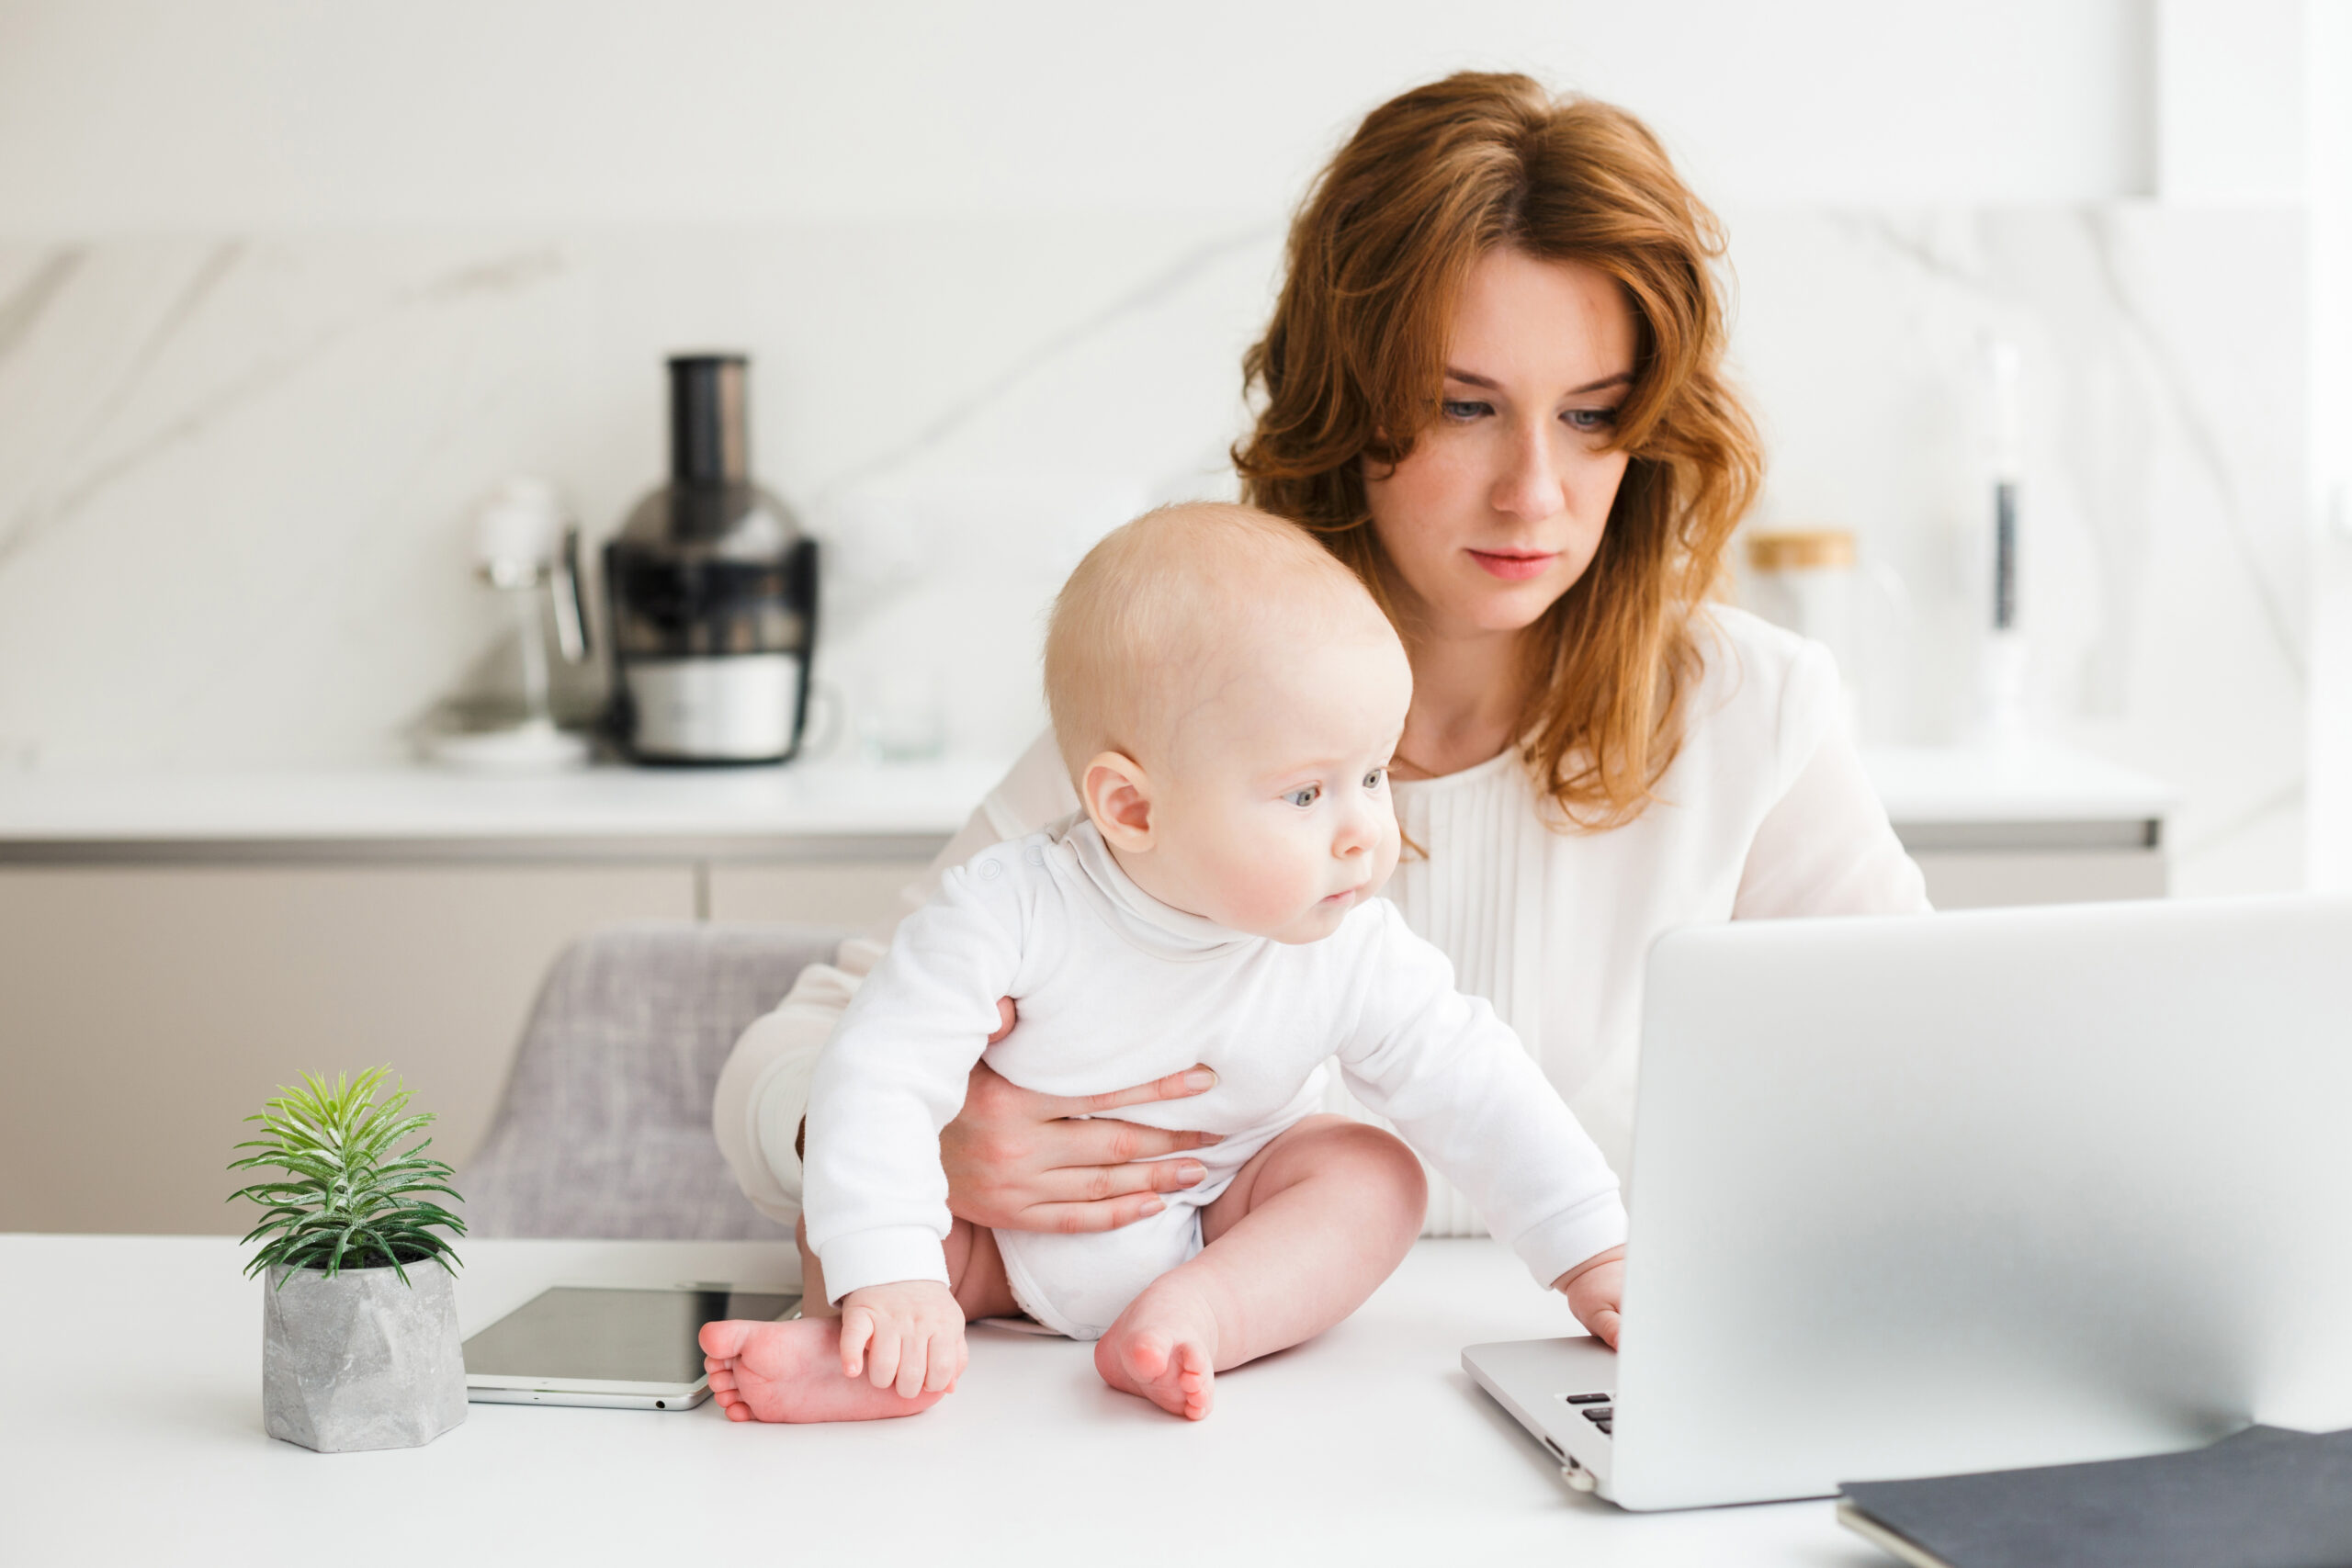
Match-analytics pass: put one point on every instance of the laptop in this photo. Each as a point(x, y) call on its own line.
point(1928, 1194)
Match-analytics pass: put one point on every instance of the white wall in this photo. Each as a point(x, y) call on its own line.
point(143, 115)
point(284, 287)
point(2230, 112)
point(2329, 88)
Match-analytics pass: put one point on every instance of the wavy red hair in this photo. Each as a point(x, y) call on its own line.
point(1351, 369)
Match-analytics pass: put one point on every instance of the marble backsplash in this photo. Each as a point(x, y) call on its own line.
point(236, 472)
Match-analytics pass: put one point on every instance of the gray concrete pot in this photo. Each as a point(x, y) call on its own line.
point(361, 1360)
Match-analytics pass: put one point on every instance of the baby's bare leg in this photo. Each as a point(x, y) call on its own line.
point(1309, 1228)
point(792, 1371)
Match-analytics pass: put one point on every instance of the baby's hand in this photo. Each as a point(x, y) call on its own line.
point(910, 1333)
point(1594, 1289)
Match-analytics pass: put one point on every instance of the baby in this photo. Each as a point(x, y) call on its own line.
point(1227, 696)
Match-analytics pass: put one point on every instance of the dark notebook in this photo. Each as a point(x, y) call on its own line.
point(2264, 1498)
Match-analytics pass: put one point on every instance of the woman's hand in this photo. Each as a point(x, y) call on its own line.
point(1017, 1160)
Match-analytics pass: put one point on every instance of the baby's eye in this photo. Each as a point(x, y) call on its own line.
point(1305, 795)
point(1372, 781)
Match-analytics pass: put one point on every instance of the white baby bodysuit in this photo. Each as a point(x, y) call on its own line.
point(1115, 987)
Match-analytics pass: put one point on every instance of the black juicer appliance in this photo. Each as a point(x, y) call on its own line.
point(712, 589)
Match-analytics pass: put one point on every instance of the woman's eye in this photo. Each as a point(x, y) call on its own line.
point(1591, 418)
point(1305, 797)
point(1371, 780)
point(1462, 410)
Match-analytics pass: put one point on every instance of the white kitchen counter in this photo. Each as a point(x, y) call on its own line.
point(1940, 798)
point(1952, 797)
point(807, 811)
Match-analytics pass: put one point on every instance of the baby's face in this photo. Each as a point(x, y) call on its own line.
point(1274, 815)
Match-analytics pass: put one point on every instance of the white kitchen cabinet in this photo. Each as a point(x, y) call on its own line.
point(145, 1009)
point(2035, 825)
point(172, 948)
point(852, 894)
point(1977, 879)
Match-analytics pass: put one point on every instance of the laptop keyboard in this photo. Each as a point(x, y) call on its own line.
point(1595, 1408)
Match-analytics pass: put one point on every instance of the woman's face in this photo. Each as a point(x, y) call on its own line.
point(1499, 509)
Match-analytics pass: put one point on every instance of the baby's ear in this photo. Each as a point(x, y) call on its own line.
point(1117, 793)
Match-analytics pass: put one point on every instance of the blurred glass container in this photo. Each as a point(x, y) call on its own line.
point(902, 715)
point(527, 548)
point(1804, 578)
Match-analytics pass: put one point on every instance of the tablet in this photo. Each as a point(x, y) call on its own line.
point(617, 1347)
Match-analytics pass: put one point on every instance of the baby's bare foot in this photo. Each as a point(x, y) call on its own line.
point(792, 1371)
point(1163, 1348)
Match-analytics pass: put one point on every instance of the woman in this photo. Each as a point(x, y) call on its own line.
point(1492, 387)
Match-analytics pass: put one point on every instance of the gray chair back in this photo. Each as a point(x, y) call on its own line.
point(605, 1128)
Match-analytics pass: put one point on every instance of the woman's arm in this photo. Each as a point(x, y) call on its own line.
point(1826, 847)
point(1014, 1159)
point(763, 1089)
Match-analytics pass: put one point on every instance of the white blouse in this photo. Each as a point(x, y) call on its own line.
point(1765, 812)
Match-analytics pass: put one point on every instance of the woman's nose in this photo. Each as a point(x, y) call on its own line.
point(1530, 484)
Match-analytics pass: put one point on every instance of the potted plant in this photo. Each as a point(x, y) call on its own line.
point(358, 1351)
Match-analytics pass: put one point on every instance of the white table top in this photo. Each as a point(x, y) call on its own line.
point(831, 810)
point(133, 1370)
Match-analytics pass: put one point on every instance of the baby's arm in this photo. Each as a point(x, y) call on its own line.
point(1466, 1094)
point(892, 1075)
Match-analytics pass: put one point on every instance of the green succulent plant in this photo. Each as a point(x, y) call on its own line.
point(347, 1201)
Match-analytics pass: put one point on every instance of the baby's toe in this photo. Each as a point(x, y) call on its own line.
point(1146, 1357)
point(724, 1340)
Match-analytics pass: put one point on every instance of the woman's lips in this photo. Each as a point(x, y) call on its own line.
point(1513, 566)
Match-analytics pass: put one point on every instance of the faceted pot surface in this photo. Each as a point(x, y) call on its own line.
point(361, 1360)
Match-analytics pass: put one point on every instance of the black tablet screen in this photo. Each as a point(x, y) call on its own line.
point(611, 1336)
